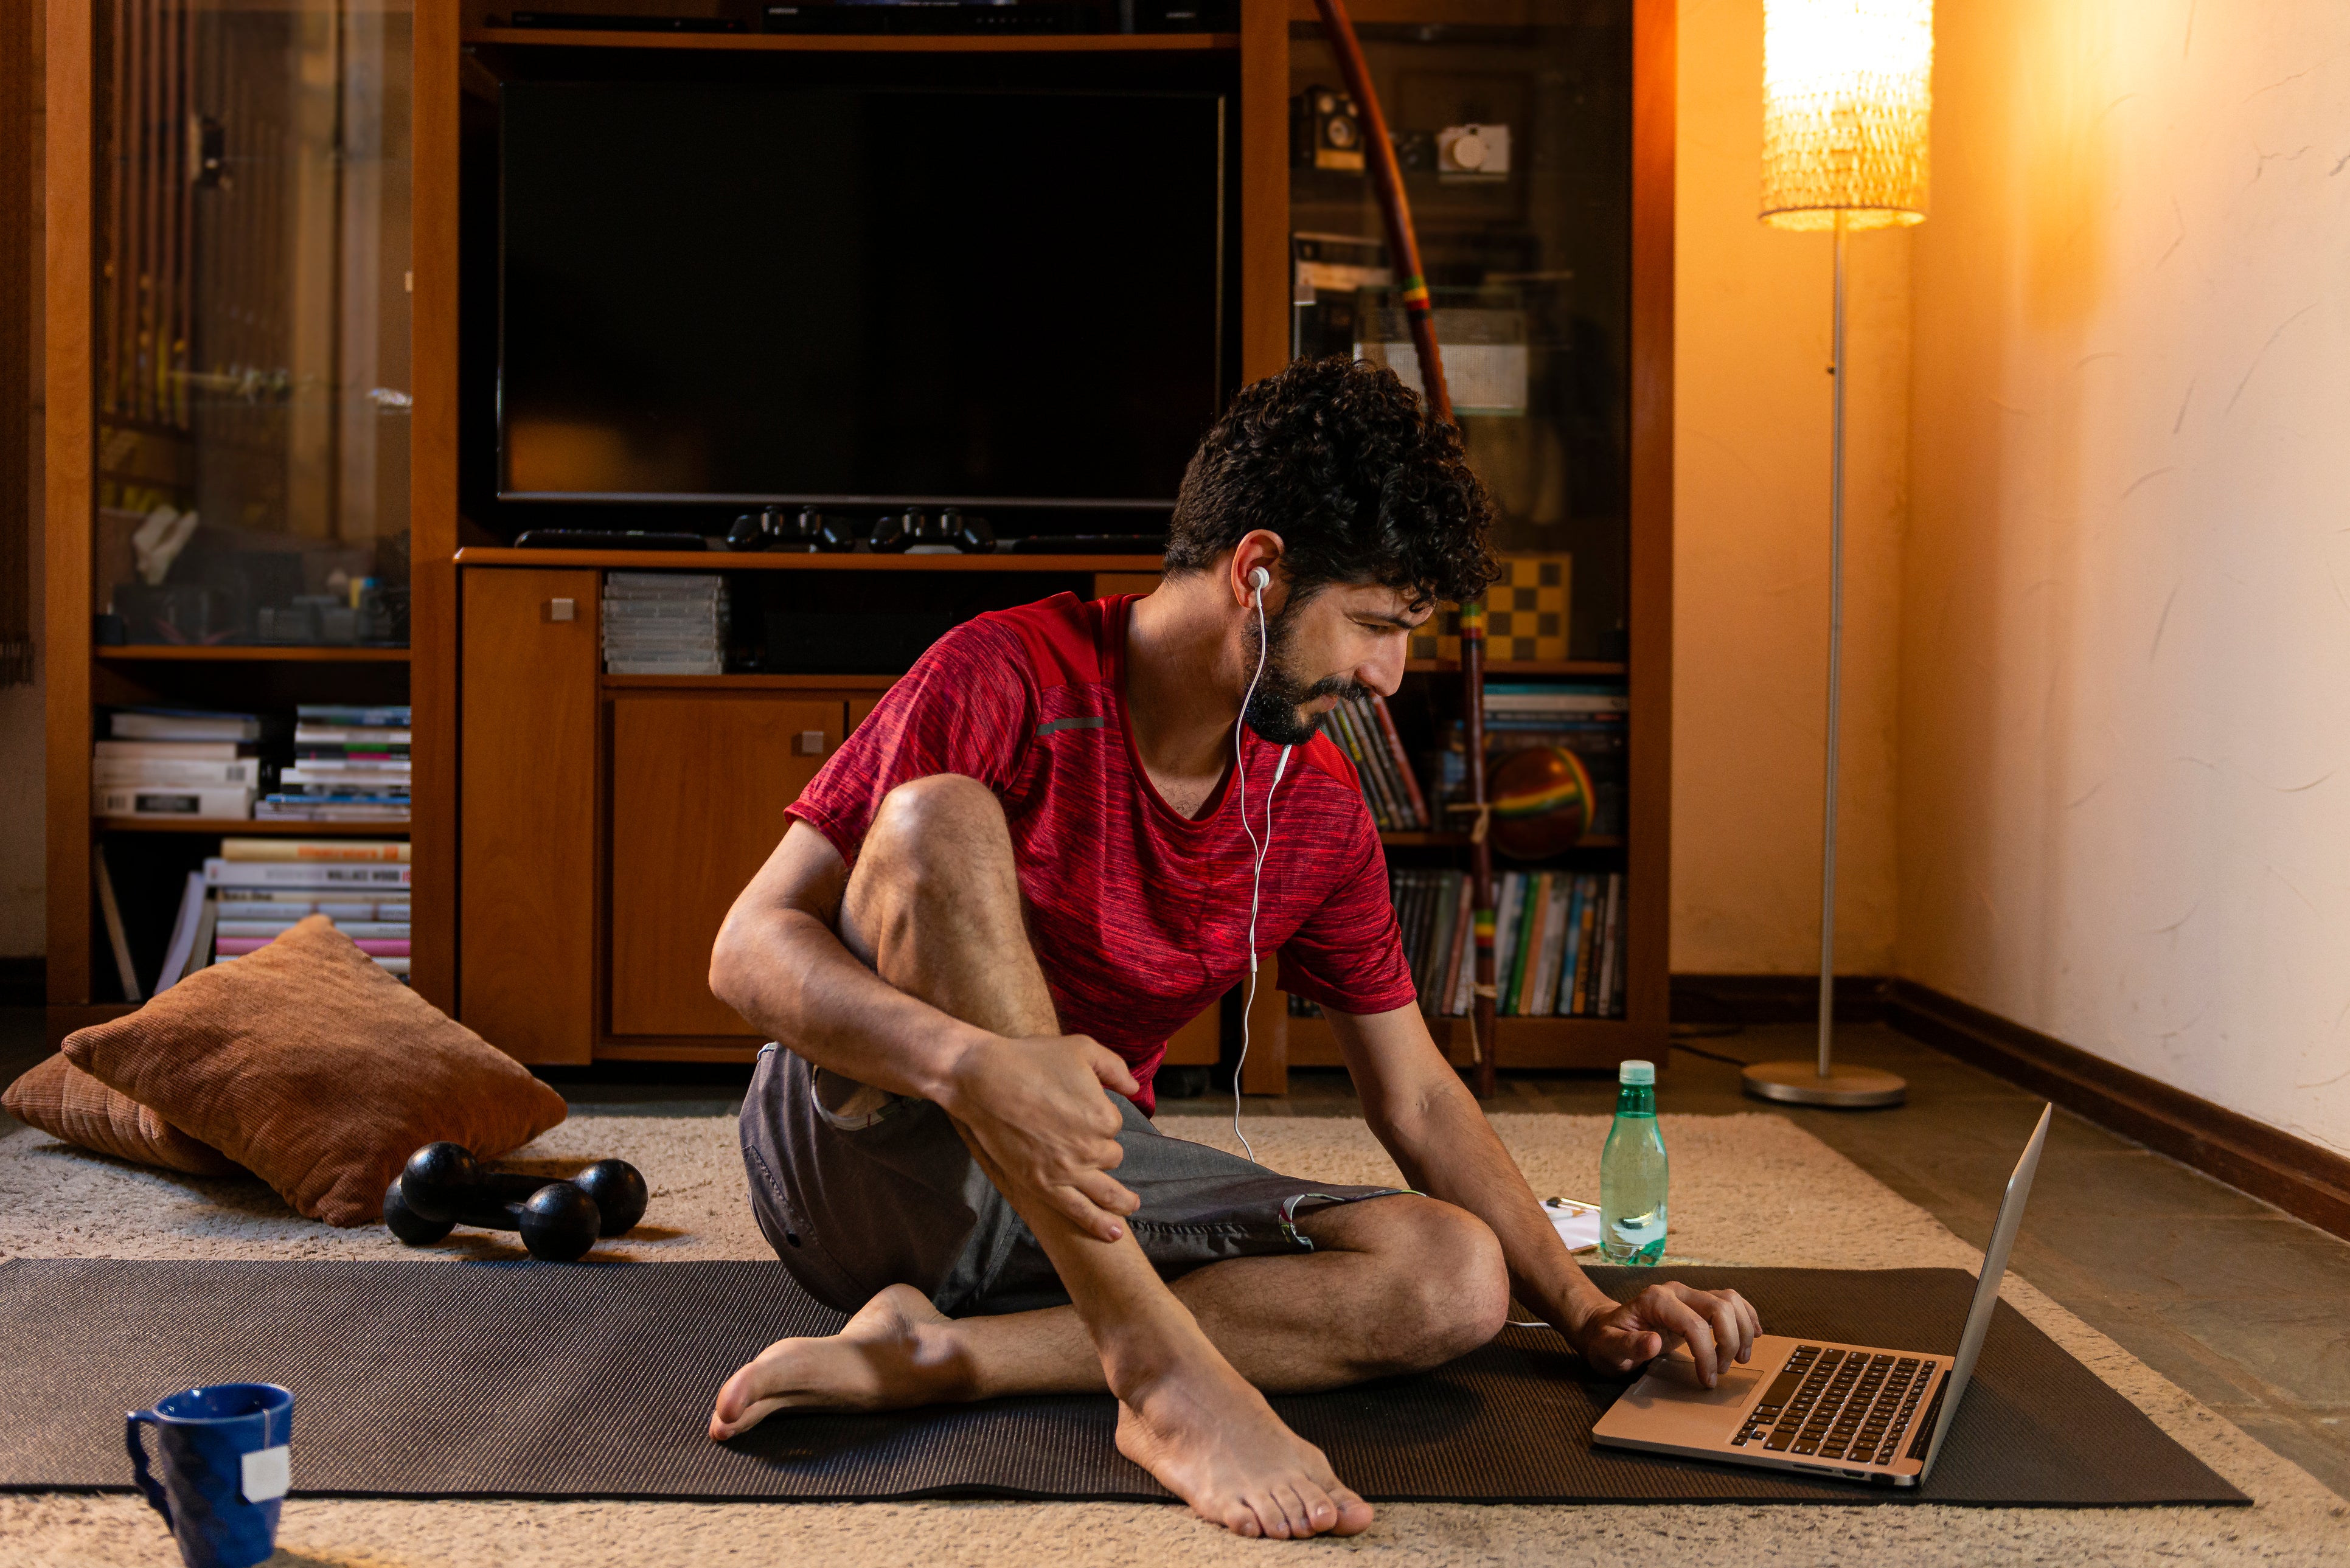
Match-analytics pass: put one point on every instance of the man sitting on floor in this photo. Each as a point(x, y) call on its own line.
point(1024, 870)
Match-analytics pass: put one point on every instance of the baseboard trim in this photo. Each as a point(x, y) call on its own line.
point(2304, 1180)
point(1772, 998)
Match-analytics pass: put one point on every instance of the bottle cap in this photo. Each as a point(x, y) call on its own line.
point(1637, 1073)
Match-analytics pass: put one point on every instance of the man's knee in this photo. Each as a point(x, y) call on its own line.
point(929, 824)
point(1445, 1290)
point(936, 863)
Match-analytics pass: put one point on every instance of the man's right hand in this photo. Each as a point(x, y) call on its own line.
point(1036, 1109)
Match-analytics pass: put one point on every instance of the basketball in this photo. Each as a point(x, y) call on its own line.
point(1541, 800)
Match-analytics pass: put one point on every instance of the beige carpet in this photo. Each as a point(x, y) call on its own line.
point(1750, 1189)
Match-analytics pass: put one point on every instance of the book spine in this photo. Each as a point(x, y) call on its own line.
point(1505, 932)
point(1375, 749)
point(1439, 983)
point(1374, 788)
point(171, 800)
point(1542, 991)
point(295, 849)
point(313, 875)
point(245, 774)
point(1418, 951)
point(1611, 948)
point(1465, 988)
point(1589, 940)
point(170, 751)
point(278, 925)
point(1562, 988)
point(1536, 938)
point(1402, 764)
point(1514, 955)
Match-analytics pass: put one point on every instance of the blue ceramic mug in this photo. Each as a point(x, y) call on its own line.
point(224, 1468)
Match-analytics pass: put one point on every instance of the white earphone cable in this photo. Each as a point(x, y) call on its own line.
point(1257, 850)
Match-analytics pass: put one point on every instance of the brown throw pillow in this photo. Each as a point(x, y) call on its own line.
point(317, 1071)
point(66, 1103)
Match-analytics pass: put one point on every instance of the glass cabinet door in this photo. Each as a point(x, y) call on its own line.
point(252, 322)
point(1515, 145)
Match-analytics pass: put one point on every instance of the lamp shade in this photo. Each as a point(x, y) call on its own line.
point(1847, 89)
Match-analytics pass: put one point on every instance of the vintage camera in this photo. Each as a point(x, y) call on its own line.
point(1325, 131)
point(1472, 152)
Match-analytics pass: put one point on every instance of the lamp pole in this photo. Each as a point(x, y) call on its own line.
point(1802, 1083)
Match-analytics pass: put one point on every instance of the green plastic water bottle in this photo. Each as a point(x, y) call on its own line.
point(1632, 1178)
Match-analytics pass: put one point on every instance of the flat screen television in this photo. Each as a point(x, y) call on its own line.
point(761, 293)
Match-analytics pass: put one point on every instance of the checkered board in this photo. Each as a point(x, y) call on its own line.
point(1525, 613)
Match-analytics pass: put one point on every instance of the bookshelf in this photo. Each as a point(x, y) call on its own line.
point(526, 868)
point(1576, 271)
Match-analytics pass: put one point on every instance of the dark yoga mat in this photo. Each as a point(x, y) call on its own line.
point(551, 1381)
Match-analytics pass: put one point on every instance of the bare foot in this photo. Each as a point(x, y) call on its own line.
point(1212, 1440)
point(889, 1356)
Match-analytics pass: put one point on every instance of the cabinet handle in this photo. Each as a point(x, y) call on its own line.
point(563, 610)
point(811, 743)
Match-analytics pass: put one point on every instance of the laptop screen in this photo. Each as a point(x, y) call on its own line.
point(1994, 1268)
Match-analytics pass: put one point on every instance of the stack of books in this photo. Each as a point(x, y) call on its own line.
point(259, 888)
point(166, 761)
point(1365, 731)
point(1559, 948)
point(664, 623)
point(1586, 718)
point(350, 764)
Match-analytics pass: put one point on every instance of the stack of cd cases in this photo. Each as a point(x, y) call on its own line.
point(664, 623)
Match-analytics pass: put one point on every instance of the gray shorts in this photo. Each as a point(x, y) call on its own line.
point(856, 1189)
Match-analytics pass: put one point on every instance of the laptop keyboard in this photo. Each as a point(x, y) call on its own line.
point(1847, 1405)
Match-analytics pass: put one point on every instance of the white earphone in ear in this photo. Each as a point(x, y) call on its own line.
point(1258, 580)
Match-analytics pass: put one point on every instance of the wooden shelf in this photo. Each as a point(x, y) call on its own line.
point(1593, 1044)
point(751, 682)
point(1495, 667)
point(861, 44)
point(228, 653)
point(767, 561)
point(233, 828)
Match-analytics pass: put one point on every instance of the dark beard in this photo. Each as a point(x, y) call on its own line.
point(1275, 710)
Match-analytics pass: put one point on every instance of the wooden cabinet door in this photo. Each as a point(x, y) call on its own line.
point(526, 885)
point(699, 788)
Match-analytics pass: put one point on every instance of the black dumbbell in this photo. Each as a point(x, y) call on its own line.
point(619, 1191)
point(444, 1187)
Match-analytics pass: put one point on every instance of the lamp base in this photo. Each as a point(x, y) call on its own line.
point(1846, 1088)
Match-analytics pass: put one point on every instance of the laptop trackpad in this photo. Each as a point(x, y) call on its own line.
point(1668, 1405)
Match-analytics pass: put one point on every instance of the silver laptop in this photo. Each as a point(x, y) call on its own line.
point(1856, 1412)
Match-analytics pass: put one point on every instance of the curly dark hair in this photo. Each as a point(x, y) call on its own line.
point(1341, 460)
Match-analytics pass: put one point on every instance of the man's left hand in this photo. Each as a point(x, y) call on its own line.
point(1719, 1327)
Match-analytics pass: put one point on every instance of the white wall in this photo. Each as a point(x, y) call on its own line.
point(1751, 544)
point(2125, 750)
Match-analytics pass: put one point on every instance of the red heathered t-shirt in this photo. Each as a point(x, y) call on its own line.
point(1140, 915)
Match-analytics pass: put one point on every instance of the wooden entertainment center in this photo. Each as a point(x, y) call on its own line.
point(576, 835)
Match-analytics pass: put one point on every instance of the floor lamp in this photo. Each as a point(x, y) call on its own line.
point(1846, 94)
